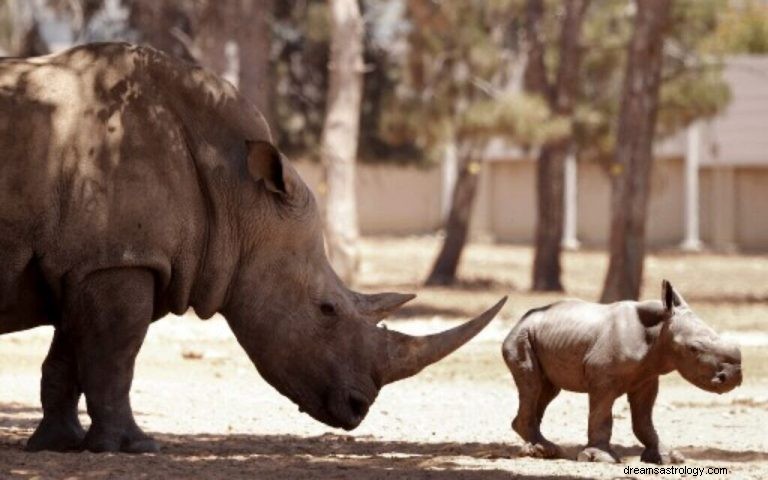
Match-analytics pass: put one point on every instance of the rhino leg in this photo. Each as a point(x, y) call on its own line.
point(598, 447)
point(60, 429)
point(641, 401)
point(535, 392)
point(108, 320)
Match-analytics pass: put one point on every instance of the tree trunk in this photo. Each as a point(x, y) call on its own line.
point(457, 226)
point(164, 25)
point(631, 168)
point(550, 198)
point(550, 171)
point(340, 136)
point(235, 40)
point(25, 39)
point(255, 40)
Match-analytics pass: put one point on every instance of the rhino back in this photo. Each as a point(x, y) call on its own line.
point(581, 344)
point(106, 151)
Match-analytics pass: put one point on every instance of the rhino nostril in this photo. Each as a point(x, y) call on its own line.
point(721, 377)
point(358, 405)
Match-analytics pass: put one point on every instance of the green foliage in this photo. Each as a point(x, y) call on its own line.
point(692, 83)
point(693, 95)
point(445, 71)
point(606, 33)
point(459, 58)
point(693, 86)
point(525, 118)
point(300, 51)
point(742, 28)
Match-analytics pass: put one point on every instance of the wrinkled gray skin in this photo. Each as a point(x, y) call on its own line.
point(607, 351)
point(131, 186)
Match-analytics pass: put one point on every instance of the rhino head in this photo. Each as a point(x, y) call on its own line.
point(310, 337)
point(698, 352)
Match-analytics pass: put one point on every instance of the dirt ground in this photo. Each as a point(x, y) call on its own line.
point(196, 391)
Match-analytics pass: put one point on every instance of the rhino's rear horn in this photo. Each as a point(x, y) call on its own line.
point(376, 307)
point(406, 355)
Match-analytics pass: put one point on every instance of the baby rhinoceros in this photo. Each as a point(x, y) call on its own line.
point(607, 351)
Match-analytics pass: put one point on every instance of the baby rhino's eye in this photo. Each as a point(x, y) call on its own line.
point(327, 309)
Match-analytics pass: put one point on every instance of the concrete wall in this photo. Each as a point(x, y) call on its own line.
point(514, 203)
point(391, 199)
point(513, 200)
point(752, 208)
point(405, 200)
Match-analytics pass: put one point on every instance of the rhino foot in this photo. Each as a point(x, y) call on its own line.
point(133, 440)
point(543, 449)
point(661, 457)
point(594, 454)
point(56, 434)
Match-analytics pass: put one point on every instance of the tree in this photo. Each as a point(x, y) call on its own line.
point(743, 28)
point(22, 31)
point(457, 224)
point(550, 168)
point(234, 39)
point(630, 184)
point(340, 136)
point(456, 60)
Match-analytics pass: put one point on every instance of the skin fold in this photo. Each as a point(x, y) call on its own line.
point(133, 185)
point(607, 351)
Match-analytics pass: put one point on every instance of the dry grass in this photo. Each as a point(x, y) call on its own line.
point(729, 291)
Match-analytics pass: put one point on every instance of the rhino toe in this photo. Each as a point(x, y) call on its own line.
point(133, 440)
point(594, 454)
point(56, 435)
point(543, 449)
point(661, 457)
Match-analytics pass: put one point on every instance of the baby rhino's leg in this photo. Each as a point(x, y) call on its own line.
point(535, 392)
point(641, 402)
point(598, 448)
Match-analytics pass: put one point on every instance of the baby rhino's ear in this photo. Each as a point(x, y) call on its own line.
point(669, 296)
point(265, 163)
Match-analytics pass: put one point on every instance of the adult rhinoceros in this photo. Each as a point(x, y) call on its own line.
point(133, 185)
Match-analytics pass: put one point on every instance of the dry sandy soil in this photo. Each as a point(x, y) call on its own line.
point(216, 419)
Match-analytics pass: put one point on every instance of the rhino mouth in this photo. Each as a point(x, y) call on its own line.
point(344, 408)
point(726, 380)
point(722, 381)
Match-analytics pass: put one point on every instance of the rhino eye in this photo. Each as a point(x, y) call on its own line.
point(694, 349)
point(327, 309)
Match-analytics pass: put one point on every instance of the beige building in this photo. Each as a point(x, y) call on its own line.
point(710, 185)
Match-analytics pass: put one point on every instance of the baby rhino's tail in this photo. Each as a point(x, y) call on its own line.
point(516, 344)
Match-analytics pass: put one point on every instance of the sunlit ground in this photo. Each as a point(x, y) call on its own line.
point(215, 418)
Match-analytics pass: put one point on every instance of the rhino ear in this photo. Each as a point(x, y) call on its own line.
point(669, 296)
point(266, 163)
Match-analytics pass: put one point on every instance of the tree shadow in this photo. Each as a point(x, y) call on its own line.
point(19, 416)
point(235, 456)
point(745, 298)
point(690, 453)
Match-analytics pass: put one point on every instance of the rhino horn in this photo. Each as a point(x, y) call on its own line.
point(376, 307)
point(406, 355)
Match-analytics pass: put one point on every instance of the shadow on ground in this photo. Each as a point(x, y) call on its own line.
point(233, 457)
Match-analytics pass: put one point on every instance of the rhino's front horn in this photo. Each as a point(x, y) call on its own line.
point(406, 355)
point(376, 307)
